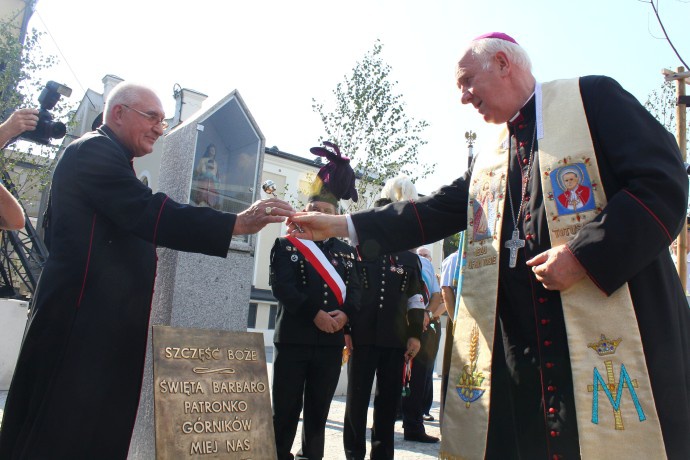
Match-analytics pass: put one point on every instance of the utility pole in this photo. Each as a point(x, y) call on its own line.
point(681, 77)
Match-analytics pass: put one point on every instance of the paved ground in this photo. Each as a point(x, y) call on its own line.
point(404, 450)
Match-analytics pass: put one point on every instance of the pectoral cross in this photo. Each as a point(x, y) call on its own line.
point(514, 244)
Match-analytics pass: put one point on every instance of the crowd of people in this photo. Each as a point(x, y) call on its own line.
point(570, 333)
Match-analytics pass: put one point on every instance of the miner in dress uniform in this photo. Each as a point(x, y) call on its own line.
point(385, 333)
point(317, 288)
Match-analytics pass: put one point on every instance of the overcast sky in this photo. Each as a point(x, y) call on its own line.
point(281, 54)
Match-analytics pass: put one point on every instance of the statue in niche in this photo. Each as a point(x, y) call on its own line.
point(206, 180)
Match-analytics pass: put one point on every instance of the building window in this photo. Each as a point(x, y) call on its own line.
point(251, 317)
point(272, 317)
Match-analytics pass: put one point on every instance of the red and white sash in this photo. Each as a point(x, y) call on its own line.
point(323, 266)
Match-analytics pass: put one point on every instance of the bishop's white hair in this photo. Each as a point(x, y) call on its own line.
point(399, 188)
point(485, 49)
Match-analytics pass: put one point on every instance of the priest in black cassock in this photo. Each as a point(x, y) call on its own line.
point(75, 390)
point(573, 331)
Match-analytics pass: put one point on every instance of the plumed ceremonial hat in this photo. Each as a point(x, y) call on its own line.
point(336, 180)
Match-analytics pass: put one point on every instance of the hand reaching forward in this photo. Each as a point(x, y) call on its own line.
point(261, 213)
point(326, 322)
point(557, 269)
point(316, 226)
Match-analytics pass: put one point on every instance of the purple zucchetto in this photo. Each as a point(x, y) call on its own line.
point(499, 35)
point(336, 180)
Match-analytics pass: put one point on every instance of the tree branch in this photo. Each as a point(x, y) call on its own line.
point(658, 18)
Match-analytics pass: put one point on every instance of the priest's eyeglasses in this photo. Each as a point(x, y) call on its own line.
point(153, 118)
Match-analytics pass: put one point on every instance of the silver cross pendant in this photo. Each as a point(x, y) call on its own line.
point(514, 244)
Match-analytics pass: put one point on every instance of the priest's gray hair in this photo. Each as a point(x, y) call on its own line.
point(486, 48)
point(127, 93)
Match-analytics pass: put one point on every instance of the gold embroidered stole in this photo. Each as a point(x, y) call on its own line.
point(466, 413)
point(616, 414)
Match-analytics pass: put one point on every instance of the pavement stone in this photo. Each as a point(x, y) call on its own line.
point(404, 450)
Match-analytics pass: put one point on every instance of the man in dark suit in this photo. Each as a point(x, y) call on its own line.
point(619, 250)
point(417, 404)
point(385, 332)
point(93, 300)
point(318, 289)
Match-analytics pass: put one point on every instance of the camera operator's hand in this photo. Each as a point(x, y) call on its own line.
point(20, 121)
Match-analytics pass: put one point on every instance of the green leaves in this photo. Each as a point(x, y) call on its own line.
point(370, 123)
point(28, 164)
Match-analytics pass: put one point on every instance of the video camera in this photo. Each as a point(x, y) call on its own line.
point(47, 129)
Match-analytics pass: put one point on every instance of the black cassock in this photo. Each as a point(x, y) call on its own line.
point(532, 407)
point(76, 387)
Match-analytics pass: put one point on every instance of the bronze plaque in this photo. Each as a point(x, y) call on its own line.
point(211, 395)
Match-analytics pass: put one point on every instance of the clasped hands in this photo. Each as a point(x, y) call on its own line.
point(330, 322)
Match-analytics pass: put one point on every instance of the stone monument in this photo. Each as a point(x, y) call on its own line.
point(212, 159)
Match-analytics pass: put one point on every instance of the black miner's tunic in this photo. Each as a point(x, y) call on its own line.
point(76, 387)
point(307, 360)
point(532, 406)
point(380, 329)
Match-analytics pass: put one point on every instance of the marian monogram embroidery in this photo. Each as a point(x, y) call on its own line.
point(606, 347)
point(469, 385)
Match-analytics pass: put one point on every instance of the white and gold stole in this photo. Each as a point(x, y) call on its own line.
point(616, 414)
